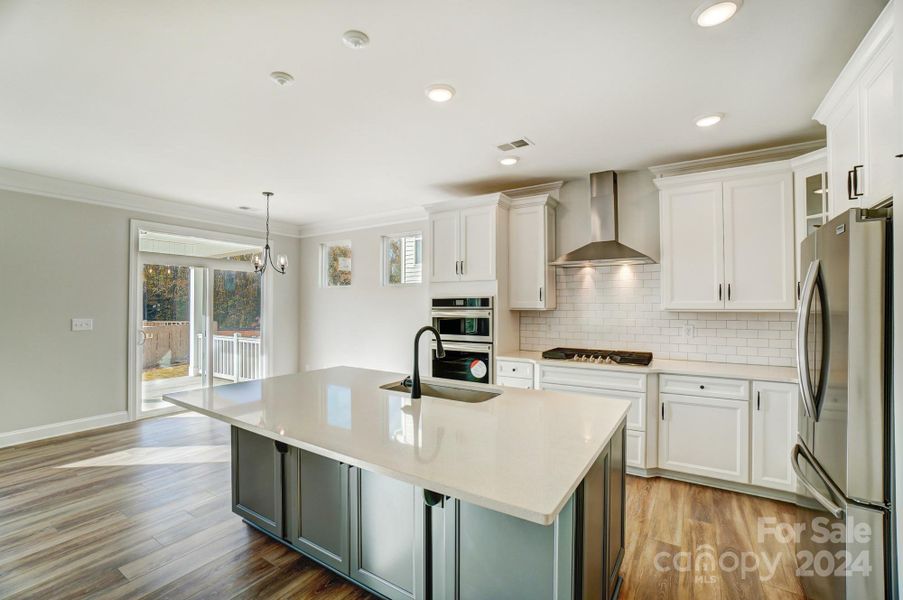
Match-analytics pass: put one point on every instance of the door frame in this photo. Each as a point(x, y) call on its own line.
point(135, 293)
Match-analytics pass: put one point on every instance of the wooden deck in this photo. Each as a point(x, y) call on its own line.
point(142, 510)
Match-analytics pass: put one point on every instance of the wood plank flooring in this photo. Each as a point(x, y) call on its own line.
point(142, 510)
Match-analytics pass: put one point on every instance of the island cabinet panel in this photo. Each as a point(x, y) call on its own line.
point(387, 535)
point(258, 480)
point(480, 553)
point(317, 507)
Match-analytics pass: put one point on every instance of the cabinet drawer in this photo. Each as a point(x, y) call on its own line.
point(597, 378)
point(515, 382)
point(636, 449)
point(522, 370)
point(636, 417)
point(706, 387)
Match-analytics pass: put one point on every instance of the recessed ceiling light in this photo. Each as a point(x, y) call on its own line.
point(440, 92)
point(509, 160)
point(709, 120)
point(715, 12)
point(282, 78)
point(355, 39)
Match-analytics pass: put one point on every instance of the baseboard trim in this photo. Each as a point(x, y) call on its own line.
point(41, 432)
point(740, 488)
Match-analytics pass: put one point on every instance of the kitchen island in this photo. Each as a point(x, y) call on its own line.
point(520, 496)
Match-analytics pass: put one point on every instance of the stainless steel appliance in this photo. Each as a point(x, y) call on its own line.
point(466, 326)
point(843, 454)
point(617, 357)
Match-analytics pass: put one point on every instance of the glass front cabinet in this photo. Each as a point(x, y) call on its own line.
point(812, 199)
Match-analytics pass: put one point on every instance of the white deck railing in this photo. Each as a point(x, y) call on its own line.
point(235, 357)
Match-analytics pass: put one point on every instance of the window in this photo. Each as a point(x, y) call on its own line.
point(403, 259)
point(336, 264)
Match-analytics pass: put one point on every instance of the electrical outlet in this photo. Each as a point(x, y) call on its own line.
point(689, 331)
point(82, 324)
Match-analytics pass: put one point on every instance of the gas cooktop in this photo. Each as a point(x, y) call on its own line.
point(620, 357)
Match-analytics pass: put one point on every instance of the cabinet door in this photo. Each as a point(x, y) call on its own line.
point(478, 243)
point(317, 507)
point(704, 436)
point(878, 129)
point(692, 248)
point(527, 258)
point(774, 425)
point(257, 480)
point(387, 535)
point(843, 155)
point(444, 250)
point(759, 270)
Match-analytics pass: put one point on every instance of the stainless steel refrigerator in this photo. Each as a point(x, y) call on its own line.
point(843, 455)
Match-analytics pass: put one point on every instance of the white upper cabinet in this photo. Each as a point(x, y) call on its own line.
point(759, 270)
point(692, 247)
point(858, 113)
point(727, 239)
point(531, 235)
point(810, 193)
point(478, 243)
point(444, 236)
point(463, 244)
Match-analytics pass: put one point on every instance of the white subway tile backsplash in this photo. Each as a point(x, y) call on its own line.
point(621, 308)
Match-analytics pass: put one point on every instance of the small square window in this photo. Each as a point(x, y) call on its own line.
point(335, 265)
point(403, 259)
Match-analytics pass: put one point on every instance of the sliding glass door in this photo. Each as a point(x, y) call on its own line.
point(199, 317)
point(172, 331)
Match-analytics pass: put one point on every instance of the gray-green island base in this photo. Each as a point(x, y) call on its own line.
point(404, 542)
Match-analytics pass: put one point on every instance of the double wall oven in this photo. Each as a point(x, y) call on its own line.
point(466, 326)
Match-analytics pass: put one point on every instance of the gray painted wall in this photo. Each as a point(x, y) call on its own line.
point(365, 324)
point(61, 259)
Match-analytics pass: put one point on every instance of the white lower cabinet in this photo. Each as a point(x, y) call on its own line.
point(774, 426)
point(704, 436)
point(635, 451)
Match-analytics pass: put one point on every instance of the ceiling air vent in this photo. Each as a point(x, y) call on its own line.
point(522, 142)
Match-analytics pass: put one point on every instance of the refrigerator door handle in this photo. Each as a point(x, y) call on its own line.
point(802, 337)
point(831, 506)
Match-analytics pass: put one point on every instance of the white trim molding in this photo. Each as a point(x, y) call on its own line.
point(778, 166)
point(877, 37)
point(819, 156)
point(738, 159)
point(41, 432)
point(42, 185)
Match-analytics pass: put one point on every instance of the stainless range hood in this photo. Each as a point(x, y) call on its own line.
point(604, 249)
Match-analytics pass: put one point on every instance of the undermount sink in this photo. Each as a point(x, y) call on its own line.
point(443, 391)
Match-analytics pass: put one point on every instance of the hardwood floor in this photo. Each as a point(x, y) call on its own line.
point(143, 511)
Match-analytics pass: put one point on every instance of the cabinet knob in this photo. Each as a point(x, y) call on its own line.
point(702, 387)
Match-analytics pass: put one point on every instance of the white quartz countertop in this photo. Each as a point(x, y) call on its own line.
point(677, 367)
point(522, 453)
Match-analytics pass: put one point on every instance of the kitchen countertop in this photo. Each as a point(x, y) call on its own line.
point(522, 453)
point(676, 367)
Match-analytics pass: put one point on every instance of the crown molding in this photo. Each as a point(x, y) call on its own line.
point(737, 159)
point(775, 166)
point(52, 187)
point(550, 188)
point(383, 219)
point(878, 36)
point(808, 159)
point(494, 199)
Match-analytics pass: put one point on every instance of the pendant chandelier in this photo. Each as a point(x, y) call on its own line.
point(261, 262)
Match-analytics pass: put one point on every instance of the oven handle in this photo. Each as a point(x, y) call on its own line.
point(464, 346)
point(461, 314)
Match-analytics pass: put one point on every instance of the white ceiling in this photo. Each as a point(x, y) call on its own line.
point(173, 99)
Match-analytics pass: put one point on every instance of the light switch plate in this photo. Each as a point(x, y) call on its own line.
point(82, 324)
